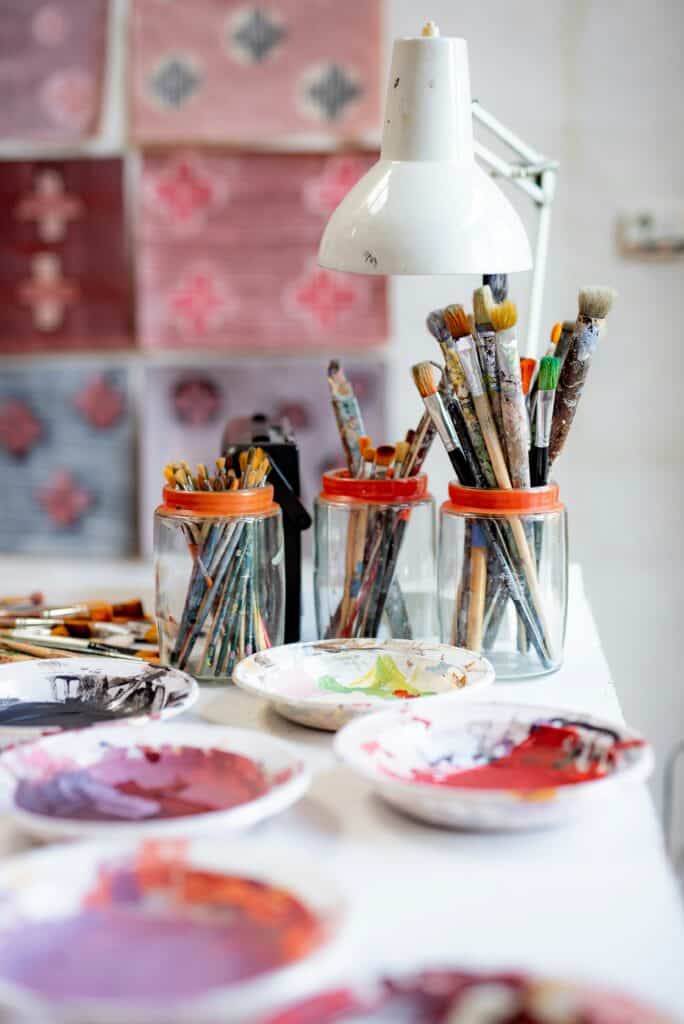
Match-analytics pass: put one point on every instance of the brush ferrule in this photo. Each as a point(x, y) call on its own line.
point(585, 338)
point(467, 354)
point(544, 414)
point(507, 353)
point(435, 406)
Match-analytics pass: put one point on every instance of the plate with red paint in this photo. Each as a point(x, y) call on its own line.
point(175, 779)
point(327, 683)
point(161, 930)
point(493, 765)
point(450, 996)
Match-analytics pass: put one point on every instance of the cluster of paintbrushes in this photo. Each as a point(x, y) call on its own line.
point(374, 536)
point(221, 621)
point(31, 629)
point(503, 428)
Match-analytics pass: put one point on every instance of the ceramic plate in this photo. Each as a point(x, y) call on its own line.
point(48, 695)
point(448, 996)
point(326, 683)
point(493, 766)
point(173, 779)
point(159, 931)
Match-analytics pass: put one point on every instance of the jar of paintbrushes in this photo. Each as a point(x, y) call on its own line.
point(219, 569)
point(503, 576)
point(374, 560)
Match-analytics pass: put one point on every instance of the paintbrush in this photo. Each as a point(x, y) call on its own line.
point(594, 306)
point(486, 339)
point(57, 643)
point(477, 588)
point(498, 283)
point(347, 414)
point(513, 409)
point(527, 368)
point(549, 372)
point(564, 342)
point(33, 650)
point(424, 379)
point(446, 327)
point(554, 338)
point(419, 446)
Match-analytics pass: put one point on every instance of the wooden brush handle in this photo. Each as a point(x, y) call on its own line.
point(476, 606)
point(491, 439)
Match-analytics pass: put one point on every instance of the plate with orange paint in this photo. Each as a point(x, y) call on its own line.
point(493, 765)
point(180, 779)
point(160, 930)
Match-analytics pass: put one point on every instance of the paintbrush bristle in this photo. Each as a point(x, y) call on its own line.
point(436, 325)
point(364, 442)
point(527, 366)
point(504, 315)
point(596, 303)
point(549, 372)
point(554, 337)
point(499, 285)
point(384, 455)
point(401, 452)
point(482, 304)
point(456, 319)
point(424, 379)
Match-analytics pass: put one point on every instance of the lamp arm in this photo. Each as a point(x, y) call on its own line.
point(535, 175)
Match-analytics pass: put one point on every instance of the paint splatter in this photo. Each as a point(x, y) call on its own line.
point(548, 757)
point(386, 681)
point(143, 783)
point(184, 932)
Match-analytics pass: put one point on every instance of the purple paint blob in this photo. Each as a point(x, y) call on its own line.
point(141, 783)
point(129, 955)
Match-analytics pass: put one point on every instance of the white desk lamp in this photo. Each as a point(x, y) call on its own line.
point(426, 207)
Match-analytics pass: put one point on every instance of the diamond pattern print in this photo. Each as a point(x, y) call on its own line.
point(331, 92)
point(257, 35)
point(175, 81)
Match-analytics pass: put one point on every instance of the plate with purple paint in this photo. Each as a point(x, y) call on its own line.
point(176, 779)
point(53, 694)
point(327, 683)
point(160, 930)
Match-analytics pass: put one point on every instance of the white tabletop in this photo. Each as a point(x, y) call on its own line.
point(594, 900)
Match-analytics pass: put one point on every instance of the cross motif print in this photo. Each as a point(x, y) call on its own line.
point(19, 428)
point(175, 81)
point(65, 500)
point(255, 35)
point(326, 297)
point(185, 192)
point(100, 404)
point(47, 292)
point(50, 206)
point(200, 303)
point(329, 90)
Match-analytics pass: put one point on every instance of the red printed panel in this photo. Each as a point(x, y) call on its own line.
point(227, 255)
point(52, 58)
point(63, 274)
point(230, 71)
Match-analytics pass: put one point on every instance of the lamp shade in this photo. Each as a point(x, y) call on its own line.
point(426, 207)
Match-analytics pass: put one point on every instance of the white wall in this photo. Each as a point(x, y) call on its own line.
point(598, 84)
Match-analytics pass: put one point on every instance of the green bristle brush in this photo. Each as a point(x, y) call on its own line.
point(549, 372)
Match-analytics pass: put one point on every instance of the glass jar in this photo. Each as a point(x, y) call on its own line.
point(219, 578)
point(503, 577)
point(374, 558)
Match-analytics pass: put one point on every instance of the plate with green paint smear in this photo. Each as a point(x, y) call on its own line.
point(326, 683)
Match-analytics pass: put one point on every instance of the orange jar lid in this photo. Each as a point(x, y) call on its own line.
point(339, 486)
point(245, 502)
point(493, 502)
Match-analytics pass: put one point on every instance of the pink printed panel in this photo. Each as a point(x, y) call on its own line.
point(230, 71)
point(227, 249)
point(63, 271)
point(52, 56)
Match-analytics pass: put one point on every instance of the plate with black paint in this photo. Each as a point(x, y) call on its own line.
point(49, 695)
point(176, 779)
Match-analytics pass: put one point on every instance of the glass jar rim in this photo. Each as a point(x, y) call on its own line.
point(243, 502)
point(492, 501)
point(339, 485)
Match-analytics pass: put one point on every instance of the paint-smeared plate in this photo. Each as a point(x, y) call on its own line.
point(48, 695)
point(447, 996)
point(204, 930)
point(493, 766)
point(326, 683)
point(173, 779)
